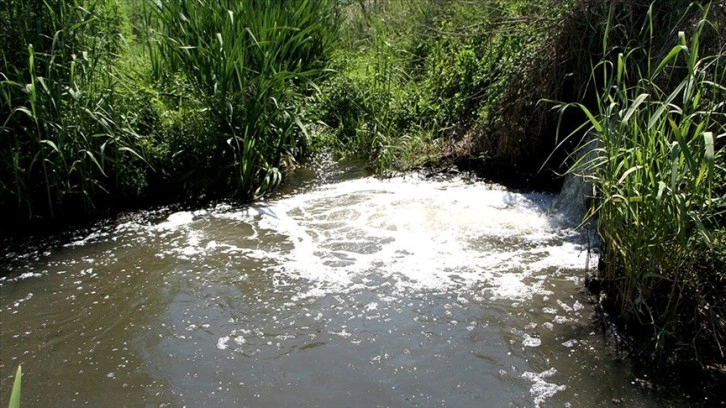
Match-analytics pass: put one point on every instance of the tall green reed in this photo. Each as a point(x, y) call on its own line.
point(252, 63)
point(15, 392)
point(64, 136)
point(654, 162)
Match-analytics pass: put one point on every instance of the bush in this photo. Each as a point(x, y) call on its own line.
point(426, 71)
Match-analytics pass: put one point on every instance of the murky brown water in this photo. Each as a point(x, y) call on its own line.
point(359, 293)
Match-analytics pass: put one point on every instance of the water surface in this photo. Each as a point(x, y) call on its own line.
point(358, 293)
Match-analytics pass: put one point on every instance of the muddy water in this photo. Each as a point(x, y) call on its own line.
point(358, 293)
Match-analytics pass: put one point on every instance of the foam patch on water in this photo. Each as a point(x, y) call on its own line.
point(411, 233)
point(423, 235)
point(222, 343)
point(530, 341)
point(176, 220)
point(93, 236)
point(541, 389)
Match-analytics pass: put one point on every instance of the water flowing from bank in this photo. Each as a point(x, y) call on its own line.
point(355, 292)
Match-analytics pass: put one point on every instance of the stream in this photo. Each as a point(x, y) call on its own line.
point(347, 291)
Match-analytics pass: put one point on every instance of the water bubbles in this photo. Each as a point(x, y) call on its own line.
point(222, 343)
point(175, 220)
point(541, 389)
point(570, 343)
point(567, 308)
point(531, 341)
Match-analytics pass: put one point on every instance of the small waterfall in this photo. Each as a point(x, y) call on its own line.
point(574, 199)
point(578, 190)
point(577, 196)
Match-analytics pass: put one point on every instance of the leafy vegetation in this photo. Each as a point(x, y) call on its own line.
point(252, 65)
point(420, 80)
point(657, 161)
point(64, 141)
point(105, 101)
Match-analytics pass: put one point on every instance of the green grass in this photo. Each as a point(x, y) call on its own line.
point(64, 138)
point(15, 392)
point(656, 156)
point(105, 102)
point(251, 64)
point(416, 79)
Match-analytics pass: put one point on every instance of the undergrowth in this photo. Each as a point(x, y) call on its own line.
point(417, 79)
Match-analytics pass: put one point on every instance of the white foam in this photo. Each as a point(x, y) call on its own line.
point(95, 235)
point(412, 233)
point(530, 341)
point(176, 220)
point(541, 389)
point(222, 343)
point(570, 343)
point(470, 235)
point(21, 277)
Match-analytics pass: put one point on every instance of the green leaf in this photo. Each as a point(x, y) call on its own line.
point(132, 151)
point(661, 188)
point(15, 393)
point(51, 144)
point(93, 159)
point(628, 171)
point(669, 58)
point(709, 150)
point(636, 103)
point(595, 123)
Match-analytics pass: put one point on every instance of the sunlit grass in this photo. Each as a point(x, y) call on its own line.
point(15, 392)
point(656, 131)
point(251, 63)
point(65, 137)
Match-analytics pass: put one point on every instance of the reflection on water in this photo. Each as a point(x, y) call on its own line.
point(359, 293)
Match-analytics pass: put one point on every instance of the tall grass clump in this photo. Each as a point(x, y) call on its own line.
point(252, 65)
point(659, 126)
point(557, 66)
point(65, 142)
